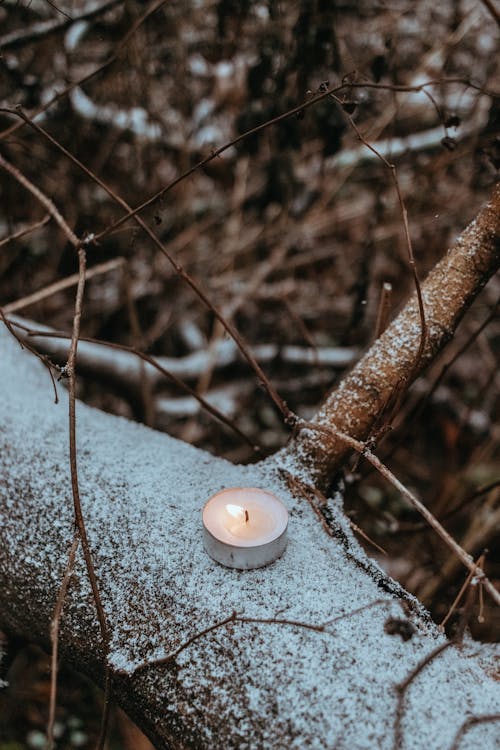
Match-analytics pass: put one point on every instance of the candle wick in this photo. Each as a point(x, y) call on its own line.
point(246, 516)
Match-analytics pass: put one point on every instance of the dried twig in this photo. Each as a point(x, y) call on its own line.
point(364, 535)
point(400, 391)
point(384, 308)
point(25, 344)
point(59, 286)
point(23, 232)
point(477, 535)
point(71, 373)
point(463, 589)
point(54, 637)
point(235, 617)
point(188, 367)
point(229, 311)
point(41, 198)
point(471, 722)
point(155, 363)
point(287, 414)
point(79, 519)
point(364, 451)
point(403, 687)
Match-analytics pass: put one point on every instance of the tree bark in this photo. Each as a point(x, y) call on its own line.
point(357, 403)
point(310, 658)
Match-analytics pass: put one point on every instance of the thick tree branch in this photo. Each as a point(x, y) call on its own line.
point(305, 661)
point(357, 403)
point(210, 678)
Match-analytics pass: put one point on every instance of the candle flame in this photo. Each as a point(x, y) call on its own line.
point(237, 512)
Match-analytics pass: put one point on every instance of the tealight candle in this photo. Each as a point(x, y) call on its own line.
point(244, 527)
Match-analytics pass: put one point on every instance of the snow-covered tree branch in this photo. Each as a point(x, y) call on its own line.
point(317, 650)
point(389, 365)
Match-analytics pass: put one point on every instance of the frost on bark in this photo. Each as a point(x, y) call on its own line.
point(308, 660)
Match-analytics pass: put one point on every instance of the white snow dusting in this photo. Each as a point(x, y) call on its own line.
point(242, 685)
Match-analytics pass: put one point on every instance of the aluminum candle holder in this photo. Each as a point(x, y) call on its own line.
point(245, 527)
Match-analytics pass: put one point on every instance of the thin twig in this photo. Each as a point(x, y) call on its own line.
point(409, 245)
point(79, 520)
point(463, 589)
point(186, 644)
point(470, 722)
point(25, 344)
point(41, 198)
point(229, 311)
point(190, 366)
point(212, 410)
point(235, 617)
point(59, 10)
point(402, 687)
point(25, 231)
point(364, 451)
point(54, 637)
point(71, 373)
point(358, 530)
point(59, 286)
point(384, 308)
point(288, 415)
point(494, 12)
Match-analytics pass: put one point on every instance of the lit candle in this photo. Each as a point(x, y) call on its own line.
point(244, 527)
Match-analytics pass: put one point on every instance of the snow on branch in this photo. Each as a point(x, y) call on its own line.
point(303, 653)
point(371, 388)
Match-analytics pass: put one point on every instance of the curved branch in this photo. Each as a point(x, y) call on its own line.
point(357, 403)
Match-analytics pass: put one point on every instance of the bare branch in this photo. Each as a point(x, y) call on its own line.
point(403, 687)
point(54, 637)
point(43, 29)
point(41, 198)
point(26, 230)
point(59, 286)
point(491, 8)
point(447, 292)
point(472, 721)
